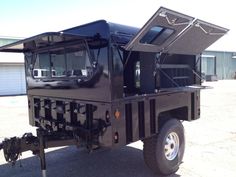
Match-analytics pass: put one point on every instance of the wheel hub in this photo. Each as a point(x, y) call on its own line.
point(171, 147)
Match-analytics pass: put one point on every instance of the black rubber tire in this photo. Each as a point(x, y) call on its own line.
point(153, 150)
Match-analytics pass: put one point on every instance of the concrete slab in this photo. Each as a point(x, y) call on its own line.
point(210, 143)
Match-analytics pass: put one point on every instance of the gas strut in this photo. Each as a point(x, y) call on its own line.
point(13, 147)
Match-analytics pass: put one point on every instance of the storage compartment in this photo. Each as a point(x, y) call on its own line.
point(148, 73)
point(174, 71)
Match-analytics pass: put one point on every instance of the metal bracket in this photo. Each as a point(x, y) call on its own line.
point(208, 32)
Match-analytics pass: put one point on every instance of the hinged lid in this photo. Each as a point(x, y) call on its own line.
point(40, 41)
point(173, 32)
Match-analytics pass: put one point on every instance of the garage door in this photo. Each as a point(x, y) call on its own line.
point(12, 80)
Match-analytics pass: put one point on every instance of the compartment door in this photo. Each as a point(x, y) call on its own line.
point(172, 32)
point(163, 27)
point(41, 41)
point(194, 40)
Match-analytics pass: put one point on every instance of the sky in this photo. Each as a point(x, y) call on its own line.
point(25, 18)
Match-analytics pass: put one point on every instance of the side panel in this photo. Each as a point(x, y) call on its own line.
point(139, 115)
point(130, 120)
point(147, 116)
point(195, 105)
point(87, 119)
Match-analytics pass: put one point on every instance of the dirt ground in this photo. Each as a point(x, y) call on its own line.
point(210, 144)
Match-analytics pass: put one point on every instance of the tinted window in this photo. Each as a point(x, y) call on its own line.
point(42, 65)
point(58, 64)
point(63, 64)
point(166, 33)
point(157, 35)
point(78, 63)
point(70, 61)
point(151, 34)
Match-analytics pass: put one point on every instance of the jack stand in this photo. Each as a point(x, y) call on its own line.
point(13, 147)
point(42, 154)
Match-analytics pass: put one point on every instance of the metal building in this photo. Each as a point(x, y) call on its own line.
point(220, 64)
point(12, 72)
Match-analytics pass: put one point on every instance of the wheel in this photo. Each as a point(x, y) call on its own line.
point(163, 153)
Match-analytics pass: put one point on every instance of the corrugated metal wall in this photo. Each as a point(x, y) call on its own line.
point(5, 41)
point(12, 72)
point(225, 64)
point(12, 79)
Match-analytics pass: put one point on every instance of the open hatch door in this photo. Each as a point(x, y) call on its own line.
point(41, 41)
point(194, 40)
point(172, 32)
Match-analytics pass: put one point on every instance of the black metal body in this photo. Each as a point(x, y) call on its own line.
point(84, 108)
point(88, 111)
point(126, 90)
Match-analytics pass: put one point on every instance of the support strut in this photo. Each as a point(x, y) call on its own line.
point(42, 153)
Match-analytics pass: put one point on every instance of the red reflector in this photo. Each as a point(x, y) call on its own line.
point(117, 114)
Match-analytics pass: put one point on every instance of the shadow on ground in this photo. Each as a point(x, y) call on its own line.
point(71, 162)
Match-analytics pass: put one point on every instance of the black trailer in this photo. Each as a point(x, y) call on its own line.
point(106, 85)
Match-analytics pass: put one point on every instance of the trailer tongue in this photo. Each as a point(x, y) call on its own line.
point(13, 147)
point(105, 85)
